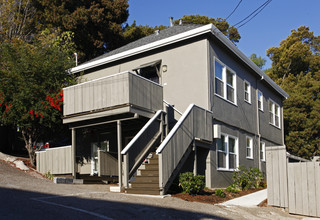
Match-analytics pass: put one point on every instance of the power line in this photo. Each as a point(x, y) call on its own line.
point(261, 6)
point(254, 15)
point(234, 9)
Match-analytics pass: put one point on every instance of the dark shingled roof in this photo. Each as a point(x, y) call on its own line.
point(165, 33)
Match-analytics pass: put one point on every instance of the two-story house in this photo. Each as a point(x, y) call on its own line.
point(186, 98)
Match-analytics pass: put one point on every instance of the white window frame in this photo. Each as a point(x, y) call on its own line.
point(228, 153)
point(225, 84)
point(250, 147)
point(260, 96)
point(247, 92)
point(274, 108)
point(262, 151)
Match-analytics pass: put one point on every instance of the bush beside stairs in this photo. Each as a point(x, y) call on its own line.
point(147, 179)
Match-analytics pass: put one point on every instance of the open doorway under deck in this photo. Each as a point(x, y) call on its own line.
point(98, 144)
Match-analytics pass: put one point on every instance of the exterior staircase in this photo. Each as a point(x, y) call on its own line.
point(147, 179)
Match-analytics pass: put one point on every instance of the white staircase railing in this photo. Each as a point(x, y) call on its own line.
point(195, 122)
point(141, 145)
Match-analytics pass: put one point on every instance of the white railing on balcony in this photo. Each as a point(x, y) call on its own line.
point(121, 89)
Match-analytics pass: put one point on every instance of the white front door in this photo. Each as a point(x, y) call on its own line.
point(94, 159)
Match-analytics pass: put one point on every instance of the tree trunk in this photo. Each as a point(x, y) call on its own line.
point(28, 138)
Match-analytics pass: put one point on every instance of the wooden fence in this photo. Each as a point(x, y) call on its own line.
point(293, 185)
point(54, 160)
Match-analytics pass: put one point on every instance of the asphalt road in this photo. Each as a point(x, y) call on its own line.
point(28, 196)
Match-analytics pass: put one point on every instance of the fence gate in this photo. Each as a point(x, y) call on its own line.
point(293, 185)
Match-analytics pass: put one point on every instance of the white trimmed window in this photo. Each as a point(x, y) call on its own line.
point(225, 82)
point(249, 148)
point(227, 152)
point(247, 91)
point(274, 113)
point(262, 151)
point(260, 100)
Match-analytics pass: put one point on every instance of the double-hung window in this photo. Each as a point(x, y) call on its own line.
point(260, 100)
point(219, 85)
point(247, 92)
point(262, 151)
point(249, 148)
point(227, 152)
point(274, 113)
point(225, 82)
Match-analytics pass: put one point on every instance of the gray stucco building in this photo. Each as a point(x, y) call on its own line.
point(185, 98)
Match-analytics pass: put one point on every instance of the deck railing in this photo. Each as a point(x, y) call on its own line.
point(112, 92)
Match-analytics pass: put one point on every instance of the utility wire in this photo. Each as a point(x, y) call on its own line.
point(234, 9)
point(254, 15)
point(261, 6)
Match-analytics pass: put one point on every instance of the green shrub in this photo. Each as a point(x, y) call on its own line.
point(220, 193)
point(231, 189)
point(48, 175)
point(244, 178)
point(191, 184)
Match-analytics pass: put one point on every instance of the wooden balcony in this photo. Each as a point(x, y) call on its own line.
point(121, 93)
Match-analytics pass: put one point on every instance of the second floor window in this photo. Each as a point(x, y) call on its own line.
point(247, 92)
point(274, 113)
point(225, 82)
point(260, 101)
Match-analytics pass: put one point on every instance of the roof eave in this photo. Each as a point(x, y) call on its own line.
point(246, 60)
point(179, 37)
point(160, 43)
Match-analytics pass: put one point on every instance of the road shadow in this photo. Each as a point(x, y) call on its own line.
point(21, 204)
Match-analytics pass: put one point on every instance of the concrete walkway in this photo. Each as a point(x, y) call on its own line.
point(249, 200)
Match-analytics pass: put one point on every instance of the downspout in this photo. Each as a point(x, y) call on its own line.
point(258, 122)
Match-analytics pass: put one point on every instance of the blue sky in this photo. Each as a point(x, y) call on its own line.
point(266, 30)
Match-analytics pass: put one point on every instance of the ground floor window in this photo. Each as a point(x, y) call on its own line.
point(262, 151)
point(249, 148)
point(227, 152)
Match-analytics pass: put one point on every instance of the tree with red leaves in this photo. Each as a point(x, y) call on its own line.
point(32, 76)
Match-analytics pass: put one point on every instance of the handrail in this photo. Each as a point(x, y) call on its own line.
point(196, 122)
point(168, 104)
point(174, 129)
point(144, 128)
point(141, 145)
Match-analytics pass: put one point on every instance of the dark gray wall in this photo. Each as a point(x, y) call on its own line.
point(240, 119)
point(244, 115)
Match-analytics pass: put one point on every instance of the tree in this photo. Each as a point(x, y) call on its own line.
point(32, 77)
point(231, 32)
point(97, 25)
point(259, 61)
point(296, 67)
point(16, 19)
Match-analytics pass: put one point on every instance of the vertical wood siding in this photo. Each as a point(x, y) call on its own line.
point(115, 90)
point(294, 185)
point(54, 160)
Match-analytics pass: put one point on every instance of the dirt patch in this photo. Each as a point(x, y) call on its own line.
point(26, 161)
point(32, 170)
point(264, 203)
point(208, 196)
